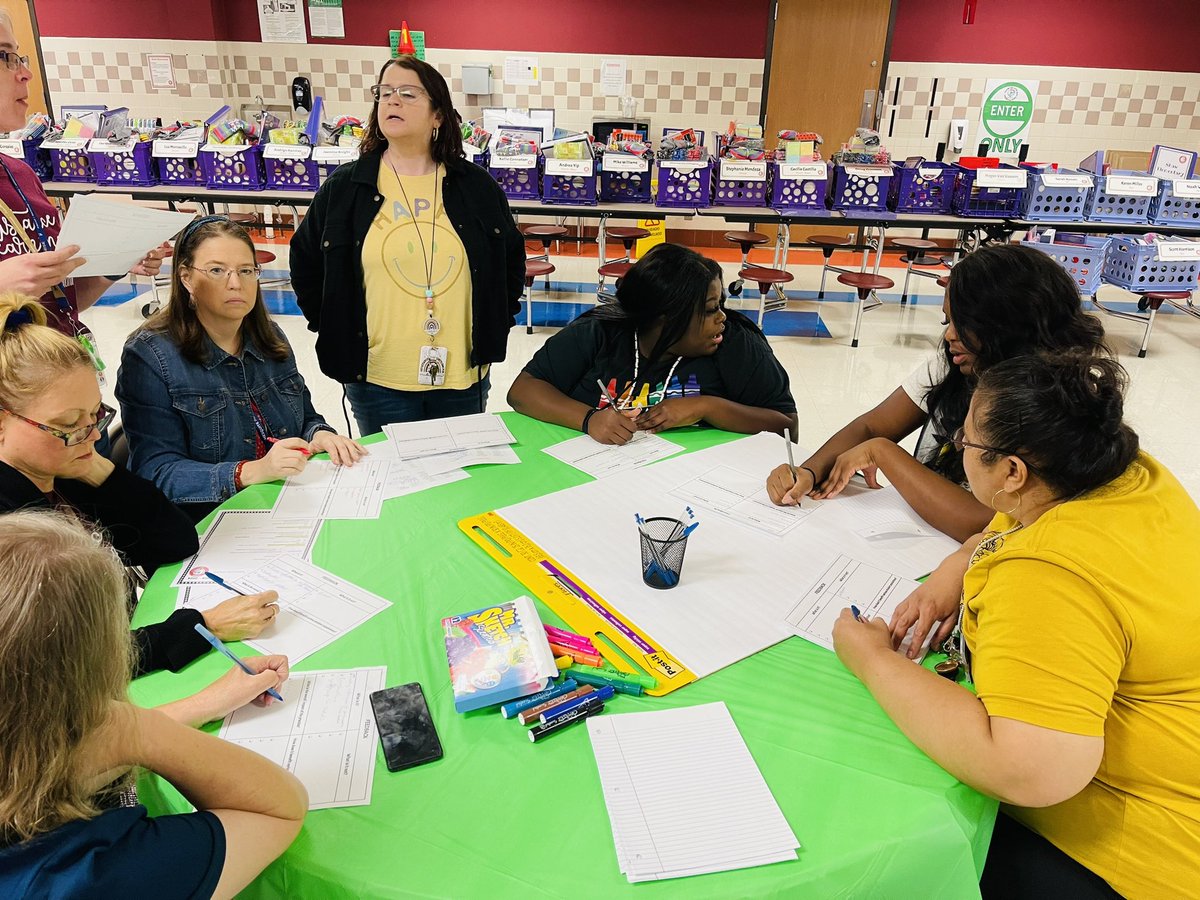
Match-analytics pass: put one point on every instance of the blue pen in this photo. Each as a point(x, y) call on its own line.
point(212, 576)
point(219, 645)
point(857, 614)
point(509, 710)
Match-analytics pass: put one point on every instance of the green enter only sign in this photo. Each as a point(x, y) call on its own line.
point(1006, 114)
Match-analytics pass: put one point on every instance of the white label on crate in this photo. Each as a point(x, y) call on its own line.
point(683, 165)
point(810, 171)
point(616, 162)
point(15, 149)
point(66, 144)
point(524, 161)
point(868, 171)
point(286, 151)
point(1180, 187)
point(1064, 179)
point(1001, 178)
point(1131, 185)
point(225, 149)
point(337, 154)
point(1171, 251)
point(104, 145)
point(929, 173)
point(175, 149)
point(743, 170)
point(570, 167)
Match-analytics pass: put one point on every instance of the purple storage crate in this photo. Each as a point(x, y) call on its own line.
point(1173, 206)
point(741, 191)
point(71, 165)
point(241, 171)
point(1080, 255)
point(1137, 267)
point(974, 201)
point(480, 159)
point(133, 166)
point(517, 184)
point(628, 185)
point(1058, 196)
point(684, 184)
point(1113, 202)
point(790, 193)
point(328, 157)
point(35, 157)
point(291, 174)
point(181, 170)
point(860, 187)
point(573, 188)
point(926, 188)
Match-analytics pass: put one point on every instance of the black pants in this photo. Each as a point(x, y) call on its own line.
point(1022, 865)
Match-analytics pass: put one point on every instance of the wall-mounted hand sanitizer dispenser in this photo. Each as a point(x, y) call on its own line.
point(958, 134)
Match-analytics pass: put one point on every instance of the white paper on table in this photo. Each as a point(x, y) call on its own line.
point(743, 498)
point(241, 540)
point(328, 491)
point(850, 582)
point(315, 607)
point(599, 460)
point(113, 237)
point(201, 597)
point(684, 795)
point(406, 478)
point(502, 455)
point(735, 587)
point(323, 733)
point(413, 439)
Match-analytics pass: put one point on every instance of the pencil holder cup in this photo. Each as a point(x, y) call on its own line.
point(663, 545)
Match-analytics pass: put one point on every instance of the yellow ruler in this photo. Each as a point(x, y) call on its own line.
point(574, 601)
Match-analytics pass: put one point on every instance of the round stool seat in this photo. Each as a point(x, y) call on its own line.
point(943, 281)
point(539, 232)
point(748, 238)
point(764, 276)
point(1164, 295)
point(864, 282)
point(536, 268)
point(243, 218)
point(828, 240)
point(614, 269)
point(262, 257)
point(627, 232)
point(912, 244)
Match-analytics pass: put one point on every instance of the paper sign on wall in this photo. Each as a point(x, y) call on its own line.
point(1006, 114)
point(612, 76)
point(325, 18)
point(281, 22)
point(161, 69)
point(520, 70)
point(417, 38)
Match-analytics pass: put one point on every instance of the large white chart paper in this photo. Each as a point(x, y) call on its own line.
point(684, 795)
point(323, 733)
point(737, 585)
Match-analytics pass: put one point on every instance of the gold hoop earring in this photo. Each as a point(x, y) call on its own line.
point(1006, 512)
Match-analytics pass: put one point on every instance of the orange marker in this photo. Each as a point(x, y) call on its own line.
point(579, 656)
point(530, 716)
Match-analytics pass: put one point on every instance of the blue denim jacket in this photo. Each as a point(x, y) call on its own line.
point(189, 425)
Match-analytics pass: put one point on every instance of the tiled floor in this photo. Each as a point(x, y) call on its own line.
point(832, 382)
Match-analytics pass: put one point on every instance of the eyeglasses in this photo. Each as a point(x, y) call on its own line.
point(407, 93)
point(221, 273)
point(13, 61)
point(104, 416)
point(959, 443)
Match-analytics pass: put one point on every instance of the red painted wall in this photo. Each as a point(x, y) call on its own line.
point(715, 28)
point(1162, 35)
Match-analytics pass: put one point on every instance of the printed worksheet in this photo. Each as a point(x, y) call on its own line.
point(241, 540)
point(404, 477)
point(315, 607)
point(323, 733)
point(600, 460)
point(501, 455)
point(327, 491)
point(743, 498)
point(849, 582)
point(413, 439)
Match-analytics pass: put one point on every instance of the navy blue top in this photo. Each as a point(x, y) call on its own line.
point(122, 852)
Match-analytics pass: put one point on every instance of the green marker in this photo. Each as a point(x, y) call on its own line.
point(619, 685)
point(613, 677)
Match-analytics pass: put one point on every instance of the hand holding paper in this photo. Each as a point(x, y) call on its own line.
point(114, 237)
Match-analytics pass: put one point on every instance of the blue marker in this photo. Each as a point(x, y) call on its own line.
point(212, 576)
point(219, 645)
point(600, 695)
point(508, 710)
point(857, 614)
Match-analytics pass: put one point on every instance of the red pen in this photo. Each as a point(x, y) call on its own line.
point(275, 440)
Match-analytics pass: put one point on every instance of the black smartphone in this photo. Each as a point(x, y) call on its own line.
point(405, 728)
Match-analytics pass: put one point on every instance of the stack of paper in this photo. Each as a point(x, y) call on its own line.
point(684, 795)
point(588, 455)
point(410, 440)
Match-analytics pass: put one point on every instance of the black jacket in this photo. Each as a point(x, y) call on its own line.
point(146, 529)
point(327, 273)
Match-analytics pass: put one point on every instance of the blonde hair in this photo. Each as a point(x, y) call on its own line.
point(65, 656)
point(32, 355)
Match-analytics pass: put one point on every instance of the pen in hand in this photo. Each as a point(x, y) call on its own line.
point(220, 647)
point(303, 450)
point(787, 439)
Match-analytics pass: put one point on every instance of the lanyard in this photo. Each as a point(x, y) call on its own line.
point(636, 365)
point(43, 238)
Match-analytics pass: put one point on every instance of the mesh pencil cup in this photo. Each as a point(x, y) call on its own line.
point(663, 545)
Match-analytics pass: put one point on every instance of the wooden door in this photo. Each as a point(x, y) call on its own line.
point(26, 33)
point(826, 55)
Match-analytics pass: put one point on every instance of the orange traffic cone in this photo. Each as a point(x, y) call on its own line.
point(405, 48)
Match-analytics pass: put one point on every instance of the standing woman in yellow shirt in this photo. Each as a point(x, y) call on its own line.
point(408, 265)
point(1078, 622)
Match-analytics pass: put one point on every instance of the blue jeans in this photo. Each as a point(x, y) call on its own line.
point(375, 406)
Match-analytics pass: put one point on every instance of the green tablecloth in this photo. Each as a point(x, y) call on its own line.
point(502, 817)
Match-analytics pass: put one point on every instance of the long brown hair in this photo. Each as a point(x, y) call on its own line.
point(447, 148)
point(65, 658)
point(179, 320)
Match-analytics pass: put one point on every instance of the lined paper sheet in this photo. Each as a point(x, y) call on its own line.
point(599, 460)
point(684, 795)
